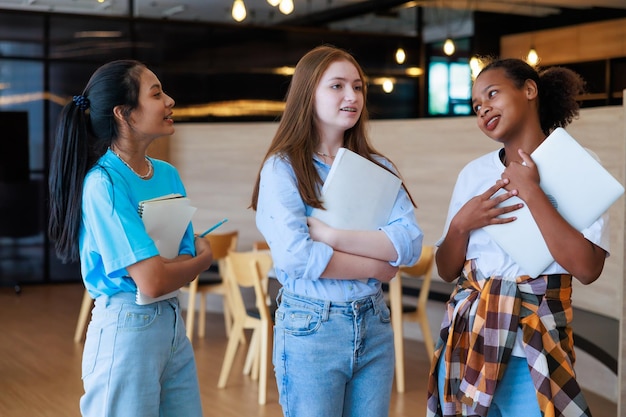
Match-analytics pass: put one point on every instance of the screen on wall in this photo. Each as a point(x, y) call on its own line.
point(449, 88)
point(14, 153)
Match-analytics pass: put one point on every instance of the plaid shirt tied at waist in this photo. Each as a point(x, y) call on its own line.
point(479, 331)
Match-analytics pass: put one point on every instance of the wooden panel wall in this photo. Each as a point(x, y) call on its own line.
point(219, 163)
point(579, 43)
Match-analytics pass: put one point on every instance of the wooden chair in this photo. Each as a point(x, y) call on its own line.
point(247, 270)
point(423, 268)
point(260, 245)
point(221, 244)
point(83, 317)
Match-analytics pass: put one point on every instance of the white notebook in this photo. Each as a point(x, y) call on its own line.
point(578, 186)
point(357, 194)
point(166, 219)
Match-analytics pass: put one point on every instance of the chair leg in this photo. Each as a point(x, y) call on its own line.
point(228, 320)
point(251, 365)
point(263, 359)
point(395, 300)
point(191, 309)
point(202, 316)
point(83, 317)
point(427, 335)
point(229, 357)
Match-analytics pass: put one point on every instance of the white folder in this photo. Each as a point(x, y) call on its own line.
point(579, 187)
point(357, 194)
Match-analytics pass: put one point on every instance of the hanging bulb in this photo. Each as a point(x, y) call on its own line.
point(286, 6)
point(400, 56)
point(532, 57)
point(239, 10)
point(387, 86)
point(448, 47)
point(273, 3)
point(475, 66)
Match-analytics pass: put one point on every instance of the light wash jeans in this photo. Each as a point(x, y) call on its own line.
point(138, 362)
point(333, 359)
point(515, 394)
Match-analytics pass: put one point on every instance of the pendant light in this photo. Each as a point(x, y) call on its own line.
point(448, 47)
point(532, 58)
point(286, 6)
point(400, 56)
point(239, 10)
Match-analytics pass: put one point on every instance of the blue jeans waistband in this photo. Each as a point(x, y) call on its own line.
point(327, 306)
point(128, 298)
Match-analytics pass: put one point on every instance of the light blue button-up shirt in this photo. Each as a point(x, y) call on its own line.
point(299, 261)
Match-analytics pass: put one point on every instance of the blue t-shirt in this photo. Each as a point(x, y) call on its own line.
point(112, 235)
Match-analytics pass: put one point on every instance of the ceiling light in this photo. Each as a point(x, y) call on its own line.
point(239, 10)
point(273, 3)
point(286, 6)
point(413, 71)
point(400, 56)
point(476, 66)
point(448, 47)
point(532, 58)
point(387, 86)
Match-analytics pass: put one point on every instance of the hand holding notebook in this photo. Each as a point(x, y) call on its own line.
point(579, 187)
point(166, 219)
point(357, 194)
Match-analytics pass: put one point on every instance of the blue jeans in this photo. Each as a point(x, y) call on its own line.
point(333, 359)
point(515, 394)
point(138, 362)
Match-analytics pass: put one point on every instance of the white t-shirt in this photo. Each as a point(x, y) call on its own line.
point(474, 179)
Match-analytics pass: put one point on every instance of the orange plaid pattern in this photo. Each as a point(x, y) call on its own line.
point(479, 331)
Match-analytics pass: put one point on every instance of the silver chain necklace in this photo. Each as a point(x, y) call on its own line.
point(143, 177)
point(325, 155)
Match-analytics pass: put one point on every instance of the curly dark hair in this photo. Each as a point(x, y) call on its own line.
point(559, 89)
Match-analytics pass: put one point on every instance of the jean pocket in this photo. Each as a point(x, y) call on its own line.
point(134, 319)
point(91, 350)
point(298, 321)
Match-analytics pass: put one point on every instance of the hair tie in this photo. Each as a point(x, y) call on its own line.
point(82, 102)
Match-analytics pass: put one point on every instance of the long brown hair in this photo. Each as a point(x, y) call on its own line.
point(297, 136)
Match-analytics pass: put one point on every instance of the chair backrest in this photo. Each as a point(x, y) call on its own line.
point(424, 265)
point(222, 243)
point(260, 245)
point(424, 269)
point(248, 270)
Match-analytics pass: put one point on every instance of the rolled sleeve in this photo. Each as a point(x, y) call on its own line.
point(282, 220)
point(404, 232)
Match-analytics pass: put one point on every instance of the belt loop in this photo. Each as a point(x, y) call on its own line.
point(107, 300)
point(326, 311)
point(374, 301)
point(279, 296)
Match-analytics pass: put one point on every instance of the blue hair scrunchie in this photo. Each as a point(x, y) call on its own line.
point(82, 102)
